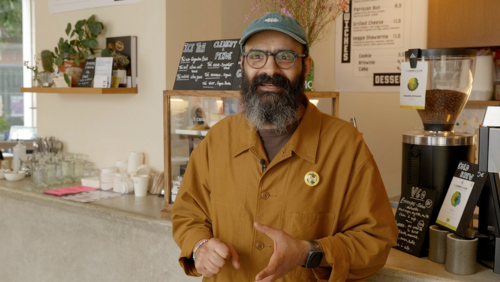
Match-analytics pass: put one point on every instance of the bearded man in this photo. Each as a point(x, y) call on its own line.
point(281, 191)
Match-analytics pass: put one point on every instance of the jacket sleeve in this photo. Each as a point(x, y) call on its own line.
point(190, 214)
point(367, 229)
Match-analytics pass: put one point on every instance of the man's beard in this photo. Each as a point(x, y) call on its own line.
point(265, 109)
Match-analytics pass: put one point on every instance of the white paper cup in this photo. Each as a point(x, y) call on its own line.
point(141, 185)
point(135, 159)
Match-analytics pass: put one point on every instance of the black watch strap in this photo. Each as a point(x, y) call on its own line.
point(314, 256)
point(315, 246)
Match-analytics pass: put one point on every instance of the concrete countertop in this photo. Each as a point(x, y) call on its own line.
point(140, 208)
point(399, 267)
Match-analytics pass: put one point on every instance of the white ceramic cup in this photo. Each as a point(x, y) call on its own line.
point(141, 185)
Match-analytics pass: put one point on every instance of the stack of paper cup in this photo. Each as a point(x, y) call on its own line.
point(107, 177)
point(135, 159)
point(122, 166)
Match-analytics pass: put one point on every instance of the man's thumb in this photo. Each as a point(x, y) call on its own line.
point(235, 258)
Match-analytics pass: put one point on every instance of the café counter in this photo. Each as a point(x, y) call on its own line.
point(46, 238)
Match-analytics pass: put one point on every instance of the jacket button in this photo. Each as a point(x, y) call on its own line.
point(259, 245)
point(264, 195)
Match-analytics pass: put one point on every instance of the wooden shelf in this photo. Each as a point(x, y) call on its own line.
point(80, 90)
point(484, 103)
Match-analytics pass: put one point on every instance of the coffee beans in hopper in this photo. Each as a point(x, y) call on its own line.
point(442, 106)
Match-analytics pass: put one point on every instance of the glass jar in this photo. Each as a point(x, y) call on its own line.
point(67, 169)
point(78, 166)
point(39, 174)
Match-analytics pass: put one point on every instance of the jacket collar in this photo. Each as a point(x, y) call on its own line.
point(304, 141)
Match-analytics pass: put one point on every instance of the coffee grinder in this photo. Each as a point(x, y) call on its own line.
point(431, 156)
point(489, 201)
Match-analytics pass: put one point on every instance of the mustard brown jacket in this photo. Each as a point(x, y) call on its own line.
point(224, 192)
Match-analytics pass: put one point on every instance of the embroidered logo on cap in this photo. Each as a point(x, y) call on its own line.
point(311, 178)
point(272, 20)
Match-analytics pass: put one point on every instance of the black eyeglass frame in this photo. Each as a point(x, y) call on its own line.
point(295, 54)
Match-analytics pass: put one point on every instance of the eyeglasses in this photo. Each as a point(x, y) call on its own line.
point(284, 59)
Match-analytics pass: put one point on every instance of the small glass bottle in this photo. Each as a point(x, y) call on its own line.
point(39, 174)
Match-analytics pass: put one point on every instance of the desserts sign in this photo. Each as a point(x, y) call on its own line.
point(209, 65)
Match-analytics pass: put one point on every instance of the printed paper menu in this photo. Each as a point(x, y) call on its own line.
point(371, 38)
point(461, 198)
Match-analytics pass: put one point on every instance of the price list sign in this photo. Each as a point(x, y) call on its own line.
point(372, 37)
point(209, 65)
point(413, 217)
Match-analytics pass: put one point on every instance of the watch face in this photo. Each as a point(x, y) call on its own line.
point(314, 259)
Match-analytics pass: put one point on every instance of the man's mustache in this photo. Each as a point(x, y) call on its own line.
point(264, 78)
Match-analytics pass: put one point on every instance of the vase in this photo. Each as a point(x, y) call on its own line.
point(46, 78)
point(35, 81)
point(75, 71)
point(310, 78)
point(122, 74)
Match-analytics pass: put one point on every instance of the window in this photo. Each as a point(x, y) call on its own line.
point(16, 37)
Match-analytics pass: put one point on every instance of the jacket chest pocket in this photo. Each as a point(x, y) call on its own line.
point(309, 226)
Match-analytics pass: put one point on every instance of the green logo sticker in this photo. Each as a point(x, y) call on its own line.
point(455, 199)
point(412, 84)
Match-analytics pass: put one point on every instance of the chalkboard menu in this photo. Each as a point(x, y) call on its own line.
point(209, 65)
point(87, 74)
point(413, 217)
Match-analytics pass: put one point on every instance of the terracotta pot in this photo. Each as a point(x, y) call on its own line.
point(75, 71)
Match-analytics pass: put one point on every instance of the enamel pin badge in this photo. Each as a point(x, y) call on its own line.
point(311, 178)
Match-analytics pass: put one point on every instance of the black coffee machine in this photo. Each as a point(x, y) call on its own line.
point(431, 156)
point(489, 201)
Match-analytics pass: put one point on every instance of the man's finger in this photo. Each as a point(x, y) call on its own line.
point(235, 258)
point(216, 260)
point(268, 230)
point(222, 250)
point(211, 268)
point(268, 271)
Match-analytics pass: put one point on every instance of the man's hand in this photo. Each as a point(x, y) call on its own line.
point(212, 256)
point(289, 253)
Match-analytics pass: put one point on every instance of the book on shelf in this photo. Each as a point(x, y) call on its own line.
point(126, 45)
point(103, 72)
point(87, 74)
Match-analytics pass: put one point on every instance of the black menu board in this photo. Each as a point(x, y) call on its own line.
point(461, 199)
point(209, 65)
point(413, 217)
point(87, 74)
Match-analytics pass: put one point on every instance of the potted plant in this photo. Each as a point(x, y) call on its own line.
point(120, 63)
point(70, 54)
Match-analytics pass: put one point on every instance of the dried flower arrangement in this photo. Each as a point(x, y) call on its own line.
point(316, 16)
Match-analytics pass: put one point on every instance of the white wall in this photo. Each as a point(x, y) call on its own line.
point(108, 127)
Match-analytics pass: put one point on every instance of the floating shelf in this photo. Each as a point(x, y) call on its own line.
point(484, 103)
point(80, 90)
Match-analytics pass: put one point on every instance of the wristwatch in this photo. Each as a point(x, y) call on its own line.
point(314, 256)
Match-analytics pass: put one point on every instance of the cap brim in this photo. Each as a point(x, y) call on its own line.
point(244, 39)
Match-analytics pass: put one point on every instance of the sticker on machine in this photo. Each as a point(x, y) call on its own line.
point(413, 84)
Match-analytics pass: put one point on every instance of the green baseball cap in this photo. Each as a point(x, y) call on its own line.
point(277, 22)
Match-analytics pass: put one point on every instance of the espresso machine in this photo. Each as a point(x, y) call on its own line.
point(489, 201)
point(431, 156)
